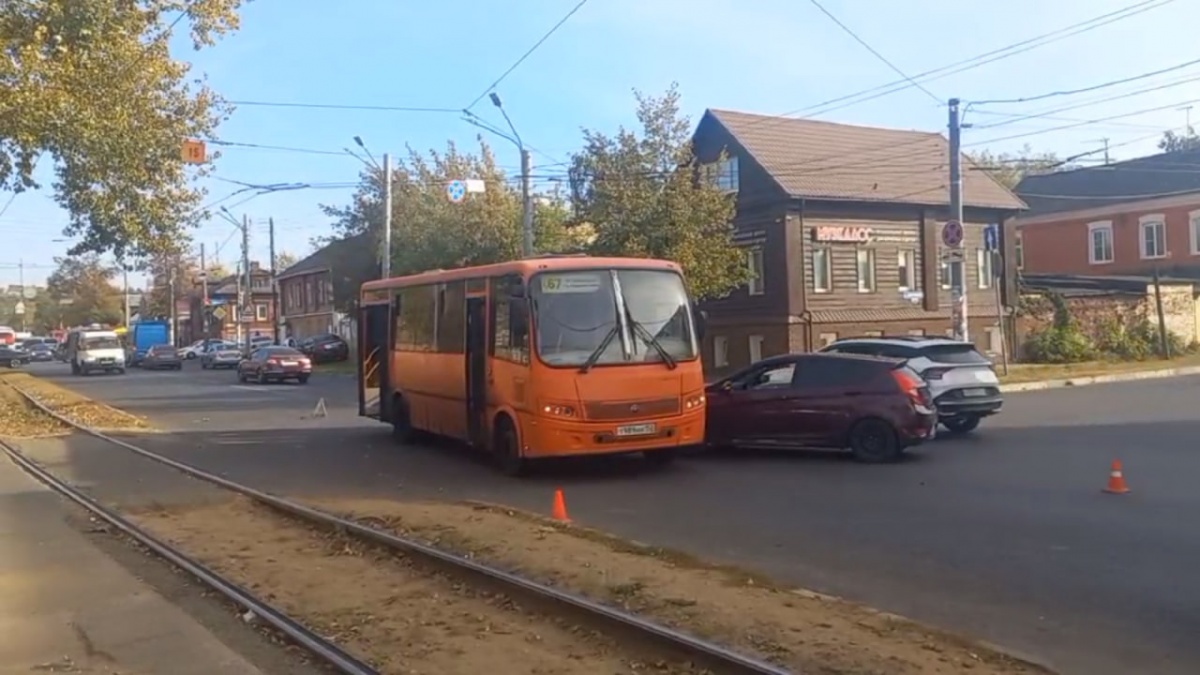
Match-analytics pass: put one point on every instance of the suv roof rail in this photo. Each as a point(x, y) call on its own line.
point(906, 338)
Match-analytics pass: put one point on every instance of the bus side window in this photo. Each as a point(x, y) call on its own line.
point(510, 324)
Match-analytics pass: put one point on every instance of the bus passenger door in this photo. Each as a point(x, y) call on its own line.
point(476, 363)
point(373, 333)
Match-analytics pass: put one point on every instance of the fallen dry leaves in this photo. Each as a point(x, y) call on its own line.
point(19, 419)
point(72, 405)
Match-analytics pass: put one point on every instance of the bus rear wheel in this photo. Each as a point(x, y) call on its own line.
point(506, 449)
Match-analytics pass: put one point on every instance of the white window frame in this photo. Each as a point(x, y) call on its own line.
point(755, 343)
point(865, 260)
point(1106, 227)
point(261, 313)
point(720, 351)
point(1146, 222)
point(754, 261)
point(916, 332)
point(827, 339)
point(906, 259)
point(823, 283)
point(1194, 231)
point(949, 268)
point(983, 268)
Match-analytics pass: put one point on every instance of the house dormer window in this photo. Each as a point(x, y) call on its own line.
point(723, 174)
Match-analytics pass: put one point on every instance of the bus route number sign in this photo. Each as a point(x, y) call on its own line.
point(570, 283)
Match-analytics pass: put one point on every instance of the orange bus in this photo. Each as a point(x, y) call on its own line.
point(542, 357)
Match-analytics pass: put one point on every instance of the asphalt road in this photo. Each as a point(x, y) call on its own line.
point(1005, 535)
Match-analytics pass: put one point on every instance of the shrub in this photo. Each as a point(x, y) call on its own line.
point(1059, 344)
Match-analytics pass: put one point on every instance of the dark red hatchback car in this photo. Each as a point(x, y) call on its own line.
point(875, 407)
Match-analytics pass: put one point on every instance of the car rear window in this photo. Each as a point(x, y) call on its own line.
point(963, 354)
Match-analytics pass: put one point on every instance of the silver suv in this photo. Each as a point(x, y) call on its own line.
point(963, 384)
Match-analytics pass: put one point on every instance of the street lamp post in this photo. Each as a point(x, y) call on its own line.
point(526, 168)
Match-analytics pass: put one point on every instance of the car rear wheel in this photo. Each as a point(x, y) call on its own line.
point(262, 377)
point(874, 441)
point(303, 379)
point(962, 425)
point(15, 363)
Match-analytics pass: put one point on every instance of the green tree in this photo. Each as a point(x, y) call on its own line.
point(1010, 168)
point(1173, 142)
point(429, 231)
point(640, 193)
point(81, 291)
point(91, 85)
point(284, 260)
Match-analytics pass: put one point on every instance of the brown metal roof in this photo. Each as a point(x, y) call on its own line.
point(826, 160)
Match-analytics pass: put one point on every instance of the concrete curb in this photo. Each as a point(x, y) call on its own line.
point(1085, 380)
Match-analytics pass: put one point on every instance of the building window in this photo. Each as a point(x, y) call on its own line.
point(906, 263)
point(949, 332)
point(1019, 247)
point(827, 339)
point(754, 259)
point(720, 351)
point(950, 274)
point(1154, 236)
point(822, 270)
point(1194, 231)
point(983, 267)
point(723, 175)
point(865, 262)
point(1100, 242)
point(916, 332)
point(995, 340)
point(873, 333)
point(756, 343)
point(260, 313)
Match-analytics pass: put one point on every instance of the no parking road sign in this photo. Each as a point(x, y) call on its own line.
point(952, 234)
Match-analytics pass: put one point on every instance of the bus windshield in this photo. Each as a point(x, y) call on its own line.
point(605, 317)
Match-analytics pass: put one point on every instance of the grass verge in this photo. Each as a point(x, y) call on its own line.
point(1036, 372)
point(70, 404)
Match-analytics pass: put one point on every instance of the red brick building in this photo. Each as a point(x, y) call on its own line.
point(1126, 219)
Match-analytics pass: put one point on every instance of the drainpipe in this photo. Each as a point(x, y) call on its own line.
point(805, 315)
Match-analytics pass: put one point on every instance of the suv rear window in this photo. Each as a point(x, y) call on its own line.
point(963, 354)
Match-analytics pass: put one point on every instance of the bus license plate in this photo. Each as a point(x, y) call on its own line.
point(637, 429)
point(974, 392)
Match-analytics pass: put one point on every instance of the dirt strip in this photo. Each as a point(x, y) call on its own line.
point(393, 611)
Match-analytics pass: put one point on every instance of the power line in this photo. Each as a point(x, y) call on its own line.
point(346, 106)
point(874, 52)
point(1082, 90)
point(526, 55)
point(1093, 102)
point(1084, 123)
point(973, 62)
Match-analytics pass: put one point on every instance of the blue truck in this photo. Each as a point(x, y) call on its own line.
point(145, 334)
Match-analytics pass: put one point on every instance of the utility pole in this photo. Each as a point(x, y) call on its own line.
point(21, 283)
point(173, 337)
point(274, 284)
point(385, 260)
point(526, 203)
point(245, 303)
point(958, 281)
point(204, 289)
point(125, 284)
point(1105, 142)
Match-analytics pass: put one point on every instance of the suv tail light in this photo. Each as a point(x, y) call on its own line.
point(935, 373)
point(913, 387)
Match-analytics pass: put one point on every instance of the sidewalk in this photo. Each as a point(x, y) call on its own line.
point(68, 608)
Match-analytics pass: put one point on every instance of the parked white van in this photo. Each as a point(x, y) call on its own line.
point(89, 351)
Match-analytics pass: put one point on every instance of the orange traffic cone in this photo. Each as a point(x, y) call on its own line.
point(560, 507)
point(1116, 480)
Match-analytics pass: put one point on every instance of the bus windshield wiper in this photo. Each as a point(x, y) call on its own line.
point(595, 355)
point(648, 338)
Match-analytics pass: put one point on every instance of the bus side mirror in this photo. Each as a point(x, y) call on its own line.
point(700, 318)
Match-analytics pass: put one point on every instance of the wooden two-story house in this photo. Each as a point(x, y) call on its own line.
point(842, 230)
point(319, 289)
point(223, 311)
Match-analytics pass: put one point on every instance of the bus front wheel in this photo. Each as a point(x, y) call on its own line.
point(507, 449)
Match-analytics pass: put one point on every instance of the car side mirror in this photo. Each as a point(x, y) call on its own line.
point(727, 386)
point(700, 319)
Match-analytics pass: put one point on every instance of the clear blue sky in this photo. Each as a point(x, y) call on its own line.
point(765, 56)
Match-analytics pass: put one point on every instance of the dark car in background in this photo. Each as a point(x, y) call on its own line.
point(162, 357)
point(326, 348)
point(875, 407)
point(40, 352)
point(13, 357)
point(275, 364)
